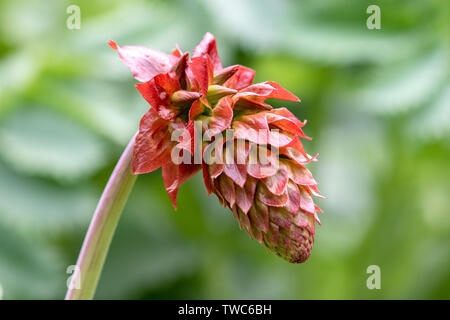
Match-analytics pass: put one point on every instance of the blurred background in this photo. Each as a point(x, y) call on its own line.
point(378, 108)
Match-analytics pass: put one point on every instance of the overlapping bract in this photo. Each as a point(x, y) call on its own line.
point(258, 169)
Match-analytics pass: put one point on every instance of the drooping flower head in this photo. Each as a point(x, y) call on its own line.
point(203, 116)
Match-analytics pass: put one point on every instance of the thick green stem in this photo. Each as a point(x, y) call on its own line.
point(101, 230)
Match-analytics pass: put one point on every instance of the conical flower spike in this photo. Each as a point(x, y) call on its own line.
point(251, 154)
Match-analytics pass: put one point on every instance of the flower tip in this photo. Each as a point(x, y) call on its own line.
point(295, 98)
point(208, 36)
point(314, 158)
point(173, 199)
point(318, 220)
point(177, 51)
point(113, 45)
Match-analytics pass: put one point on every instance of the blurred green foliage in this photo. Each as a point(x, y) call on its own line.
point(377, 104)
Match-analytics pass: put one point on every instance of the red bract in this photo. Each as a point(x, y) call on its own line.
point(144, 63)
point(200, 112)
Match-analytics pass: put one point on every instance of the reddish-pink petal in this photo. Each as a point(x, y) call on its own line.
point(208, 46)
point(283, 113)
point(280, 217)
point(242, 201)
point(245, 103)
point(252, 127)
point(293, 203)
point(244, 131)
point(280, 93)
point(280, 139)
point(242, 149)
point(259, 216)
point(175, 175)
point(197, 108)
point(177, 52)
point(283, 123)
point(314, 191)
point(261, 163)
point(202, 70)
point(235, 212)
point(186, 139)
point(170, 178)
point(213, 156)
point(166, 82)
point(206, 178)
point(256, 94)
point(278, 182)
point(113, 45)
point(179, 68)
point(277, 118)
point(153, 145)
point(299, 174)
point(297, 145)
point(216, 187)
point(245, 195)
point(157, 92)
point(256, 233)
point(236, 172)
point(257, 121)
point(304, 221)
point(221, 118)
point(242, 77)
point(316, 217)
point(272, 234)
point(245, 221)
point(289, 124)
point(227, 189)
point(297, 156)
point(144, 62)
point(259, 91)
point(216, 170)
point(306, 202)
point(270, 199)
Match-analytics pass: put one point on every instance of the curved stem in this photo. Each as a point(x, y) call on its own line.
point(101, 230)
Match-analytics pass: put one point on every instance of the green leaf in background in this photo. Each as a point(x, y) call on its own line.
point(40, 142)
point(433, 123)
point(400, 87)
point(112, 114)
point(29, 268)
point(37, 205)
point(17, 71)
point(146, 253)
